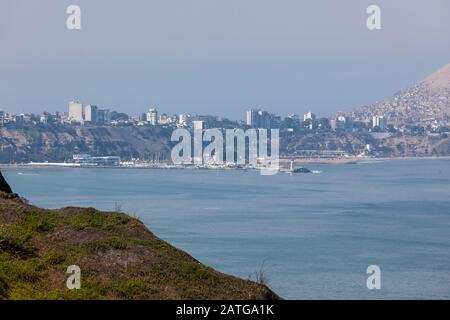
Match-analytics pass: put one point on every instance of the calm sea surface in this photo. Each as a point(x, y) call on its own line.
point(314, 235)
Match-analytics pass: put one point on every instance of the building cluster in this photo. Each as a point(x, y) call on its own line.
point(341, 122)
point(256, 118)
point(151, 117)
point(182, 120)
point(88, 114)
point(379, 122)
point(413, 108)
point(79, 114)
point(24, 118)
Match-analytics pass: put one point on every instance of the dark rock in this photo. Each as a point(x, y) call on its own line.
point(4, 186)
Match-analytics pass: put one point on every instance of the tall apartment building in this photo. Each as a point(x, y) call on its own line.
point(182, 119)
point(253, 118)
point(380, 122)
point(198, 124)
point(76, 112)
point(152, 116)
point(103, 116)
point(91, 114)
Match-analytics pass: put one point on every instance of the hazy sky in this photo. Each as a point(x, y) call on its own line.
point(216, 56)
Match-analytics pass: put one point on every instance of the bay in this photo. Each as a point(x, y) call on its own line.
point(312, 235)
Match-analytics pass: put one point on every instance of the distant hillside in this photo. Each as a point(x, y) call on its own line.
point(426, 104)
point(438, 82)
point(118, 256)
point(57, 143)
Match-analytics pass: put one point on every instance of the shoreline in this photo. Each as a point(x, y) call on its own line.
point(283, 161)
point(354, 160)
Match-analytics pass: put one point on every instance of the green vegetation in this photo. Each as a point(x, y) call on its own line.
point(119, 259)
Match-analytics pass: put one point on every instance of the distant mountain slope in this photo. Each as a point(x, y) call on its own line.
point(425, 104)
point(118, 256)
point(440, 80)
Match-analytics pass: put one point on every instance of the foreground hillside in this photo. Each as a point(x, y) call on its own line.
point(119, 259)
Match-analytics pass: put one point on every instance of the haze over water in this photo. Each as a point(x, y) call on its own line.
point(314, 234)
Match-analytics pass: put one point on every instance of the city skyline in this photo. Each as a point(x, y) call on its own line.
point(81, 113)
point(219, 58)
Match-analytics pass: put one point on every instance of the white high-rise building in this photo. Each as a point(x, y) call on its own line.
point(249, 118)
point(380, 122)
point(198, 125)
point(76, 111)
point(182, 119)
point(152, 116)
point(309, 116)
point(253, 118)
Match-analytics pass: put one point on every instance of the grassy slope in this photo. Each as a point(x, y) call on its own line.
point(118, 256)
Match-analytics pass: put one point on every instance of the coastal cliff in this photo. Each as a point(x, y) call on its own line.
point(58, 142)
point(118, 256)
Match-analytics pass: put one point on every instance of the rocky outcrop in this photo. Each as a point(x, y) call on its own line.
point(4, 186)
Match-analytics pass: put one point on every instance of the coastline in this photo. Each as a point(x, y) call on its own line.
point(353, 160)
point(283, 161)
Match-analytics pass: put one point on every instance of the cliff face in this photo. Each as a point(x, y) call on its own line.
point(119, 259)
point(395, 145)
point(57, 143)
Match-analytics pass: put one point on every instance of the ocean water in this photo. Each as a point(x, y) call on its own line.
point(313, 235)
